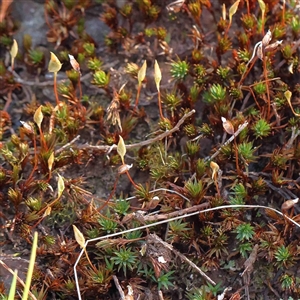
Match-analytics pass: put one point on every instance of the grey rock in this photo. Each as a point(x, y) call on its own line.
point(30, 14)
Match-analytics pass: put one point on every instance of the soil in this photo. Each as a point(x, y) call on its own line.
point(99, 175)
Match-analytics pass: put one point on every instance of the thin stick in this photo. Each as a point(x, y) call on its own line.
point(106, 148)
point(248, 264)
point(241, 127)
point(248, 7)
point(253, 95)
point(42, 210)
point(181, 212)
point(116, 281)
point(182, 257)
point(67, 145)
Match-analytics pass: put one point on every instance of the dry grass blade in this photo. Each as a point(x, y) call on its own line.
point(249, 269)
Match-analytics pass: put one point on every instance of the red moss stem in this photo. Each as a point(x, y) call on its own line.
point(131, 180)
point(159, 106)
point(55, 87)
point(110, 195)
point(137, 96)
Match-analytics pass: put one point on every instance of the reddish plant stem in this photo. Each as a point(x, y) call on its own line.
point(110, 195)
point(267, 85)
point(43, 142)
point(283, 13)
point(248, 7)
point(131, 180)
point(50, 175)
point(49, 205)
point(137, 96)
point(145, 142)
point(88, 258)
point(55, 87)
point(247, 71)
point(38, 222)
point(8, 102)
point(159, 106)
point(217, 187)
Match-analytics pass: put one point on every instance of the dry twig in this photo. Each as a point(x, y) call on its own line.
point(248, 264)
point(241, 128)
point(181, 212)
point(182, 257)
point(67, 145)
point(160, 295)
point(116, 281)
point(107, 148)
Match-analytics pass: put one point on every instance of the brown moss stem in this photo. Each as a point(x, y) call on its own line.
point(110, 195)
